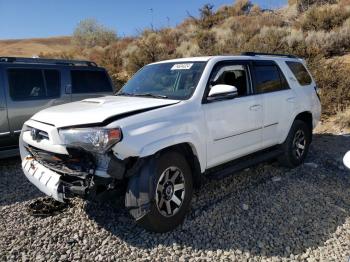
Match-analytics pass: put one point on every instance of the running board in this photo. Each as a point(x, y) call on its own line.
point(239, 164)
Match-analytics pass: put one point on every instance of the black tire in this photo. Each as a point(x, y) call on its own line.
point(154, 220)
point(292, 156)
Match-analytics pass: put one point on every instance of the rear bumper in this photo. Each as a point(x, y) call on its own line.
point(43, 178)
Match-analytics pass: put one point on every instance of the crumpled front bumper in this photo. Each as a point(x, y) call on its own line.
point(46, 180)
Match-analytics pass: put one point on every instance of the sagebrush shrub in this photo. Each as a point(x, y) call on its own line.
point(324, 18)
point(332, 78)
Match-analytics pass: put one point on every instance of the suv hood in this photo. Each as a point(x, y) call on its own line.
point(97, 110)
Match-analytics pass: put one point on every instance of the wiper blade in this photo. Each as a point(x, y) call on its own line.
point(124, 94)
point(151, 95)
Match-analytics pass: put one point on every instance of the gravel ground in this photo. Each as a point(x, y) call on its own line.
point(265, 213)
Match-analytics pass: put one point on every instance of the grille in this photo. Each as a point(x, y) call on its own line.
point(78, 163)
point(38, 134)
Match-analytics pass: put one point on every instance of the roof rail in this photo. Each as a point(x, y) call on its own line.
point(47, 61)
point(268, 54)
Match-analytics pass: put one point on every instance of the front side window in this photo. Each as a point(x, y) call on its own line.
point(33, 84)
point(165, 80)
point(300, 73)
point(268, 78)
point(234, 75)
point(88, 81)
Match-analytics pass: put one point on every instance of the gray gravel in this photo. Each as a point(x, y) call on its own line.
point(264, 213)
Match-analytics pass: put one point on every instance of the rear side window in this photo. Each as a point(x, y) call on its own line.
point(300, 73)
point(85, 81)
point(52, 80)
point(33, 84)
point(268, 78)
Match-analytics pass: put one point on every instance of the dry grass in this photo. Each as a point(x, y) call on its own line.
point(32, 47)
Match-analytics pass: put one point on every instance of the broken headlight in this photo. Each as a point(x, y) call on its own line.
point(98, 140)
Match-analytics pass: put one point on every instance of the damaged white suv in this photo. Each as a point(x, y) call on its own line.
point(173, 123)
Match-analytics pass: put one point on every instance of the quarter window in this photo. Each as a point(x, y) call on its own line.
point(86, 81)
point(33, 84)
point(300, 73)
point(268, 78)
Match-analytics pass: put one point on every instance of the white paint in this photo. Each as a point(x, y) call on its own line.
point(217, 132)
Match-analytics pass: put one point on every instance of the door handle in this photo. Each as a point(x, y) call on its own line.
point(255, 107)
point(291, 99)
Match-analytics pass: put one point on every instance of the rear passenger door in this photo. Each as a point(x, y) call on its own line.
point(87, 83)
point(279, 101)
point(30, 90)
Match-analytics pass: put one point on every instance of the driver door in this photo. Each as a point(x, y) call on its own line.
point(234, 125)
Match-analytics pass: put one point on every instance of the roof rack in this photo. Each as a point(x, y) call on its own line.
point(47, 61)
point(268, 54)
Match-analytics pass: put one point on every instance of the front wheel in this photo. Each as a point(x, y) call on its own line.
point(173, 189)
point(297, 144)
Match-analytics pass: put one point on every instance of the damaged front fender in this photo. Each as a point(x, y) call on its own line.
point(141, 189)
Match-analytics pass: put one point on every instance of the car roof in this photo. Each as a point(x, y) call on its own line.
point(25, 61)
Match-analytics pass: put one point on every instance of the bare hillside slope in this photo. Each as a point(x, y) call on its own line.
point(32, 47)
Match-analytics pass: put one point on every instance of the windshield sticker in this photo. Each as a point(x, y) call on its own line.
point(182, 66)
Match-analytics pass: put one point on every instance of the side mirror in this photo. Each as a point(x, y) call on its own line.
point(346, 160)
point(220, 92)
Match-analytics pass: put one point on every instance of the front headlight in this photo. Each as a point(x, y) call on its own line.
point(98, 140)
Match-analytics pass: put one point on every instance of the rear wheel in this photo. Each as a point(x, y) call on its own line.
point(296, 146)
point(172, 193)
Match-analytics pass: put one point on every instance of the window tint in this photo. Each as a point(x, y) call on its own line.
point(300, 73)
point(234, 75)
point(85, 81)
point(52, 78)
point(268, 79)
point(29, 84)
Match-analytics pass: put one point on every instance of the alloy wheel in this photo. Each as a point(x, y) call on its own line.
point(170, 191)
point(299, 144)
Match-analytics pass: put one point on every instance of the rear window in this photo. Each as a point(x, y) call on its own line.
point(85, 81)
point(33, 84)
point(268, 78)
point(300, 73)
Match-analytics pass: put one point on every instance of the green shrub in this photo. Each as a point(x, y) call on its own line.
point(90, 33)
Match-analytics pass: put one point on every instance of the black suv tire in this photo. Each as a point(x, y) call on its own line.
point(173, 186)
point(296, 146)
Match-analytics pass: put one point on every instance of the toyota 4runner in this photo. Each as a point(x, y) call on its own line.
point(174, 122)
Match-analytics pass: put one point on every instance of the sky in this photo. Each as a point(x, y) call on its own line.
point(44, 18)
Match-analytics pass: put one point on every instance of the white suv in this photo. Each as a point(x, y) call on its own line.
point(173, 123)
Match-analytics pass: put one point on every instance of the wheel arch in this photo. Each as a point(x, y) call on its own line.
point(307, 118)
point(190, 153)
point(138, 194)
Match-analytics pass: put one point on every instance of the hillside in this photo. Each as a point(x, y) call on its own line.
point(32, 47)
point(316, 30)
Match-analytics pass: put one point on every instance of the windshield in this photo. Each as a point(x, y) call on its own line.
point(165, 80)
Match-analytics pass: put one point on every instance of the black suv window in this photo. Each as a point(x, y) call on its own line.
point(268, 78)
point(33, 84)
point(87, 81)
point(300, 73)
